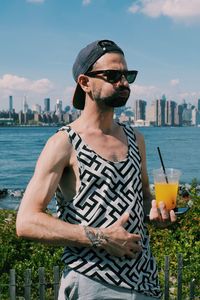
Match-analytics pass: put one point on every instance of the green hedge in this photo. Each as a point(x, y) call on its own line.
point(182, 237)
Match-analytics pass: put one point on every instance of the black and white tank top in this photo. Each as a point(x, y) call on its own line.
point(107, 190)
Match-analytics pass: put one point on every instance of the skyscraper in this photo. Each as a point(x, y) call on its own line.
point(140, 110)
point(10, 104)
point(170, 113)
point(198, 105)
point(161, 111)
point(58, 106)
point(47, 105)
point(25, 106)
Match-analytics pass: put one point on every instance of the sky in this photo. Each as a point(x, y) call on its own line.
point(40, 39)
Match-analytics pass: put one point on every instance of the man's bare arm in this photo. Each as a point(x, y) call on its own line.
point(32, 220)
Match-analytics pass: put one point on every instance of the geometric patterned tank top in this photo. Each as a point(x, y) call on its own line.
point(107, 190)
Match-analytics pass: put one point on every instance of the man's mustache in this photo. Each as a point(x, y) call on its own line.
point(123, 88)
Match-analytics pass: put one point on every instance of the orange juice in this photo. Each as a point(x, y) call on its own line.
point(167, 193)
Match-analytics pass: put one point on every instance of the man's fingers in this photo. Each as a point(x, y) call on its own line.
point(163, 211)
point(122, 220)
point(154, 214)
point(173, 217)
point(153, 204)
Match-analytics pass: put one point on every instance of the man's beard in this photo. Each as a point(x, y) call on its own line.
point(115, 100)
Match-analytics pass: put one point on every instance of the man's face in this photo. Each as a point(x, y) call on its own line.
point(105, 93)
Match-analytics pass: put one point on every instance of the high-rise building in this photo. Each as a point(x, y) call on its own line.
point(160, 110)
point(47, 105)
point(10, 104)
point(198, 105)
point(58, 106)
point(36, 108)
point(140, 110)
point(25, 106)
point(179, 115)
point(151, 113)
point(187, 116)
point(170, 113)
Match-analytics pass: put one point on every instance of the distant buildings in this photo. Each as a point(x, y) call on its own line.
point(25, 106)
point(47, 105)
point(11, 104)
point(198, 105)
point(140, 109)
point(161, 112)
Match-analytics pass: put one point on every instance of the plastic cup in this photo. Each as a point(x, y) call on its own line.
point(166, 186)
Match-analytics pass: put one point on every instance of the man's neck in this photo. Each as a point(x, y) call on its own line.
point(96, 119)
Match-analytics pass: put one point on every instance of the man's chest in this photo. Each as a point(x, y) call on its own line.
point(109, 147)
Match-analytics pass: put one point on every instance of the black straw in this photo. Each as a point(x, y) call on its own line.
point(163, 166)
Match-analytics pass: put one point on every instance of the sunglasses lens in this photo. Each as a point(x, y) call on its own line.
point(130, 76)
point(113, 76)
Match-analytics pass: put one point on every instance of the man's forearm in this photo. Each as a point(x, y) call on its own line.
point(50, 230)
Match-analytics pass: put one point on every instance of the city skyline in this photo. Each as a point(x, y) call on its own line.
point(161, 112)
point(43, 103)
point(41, 38)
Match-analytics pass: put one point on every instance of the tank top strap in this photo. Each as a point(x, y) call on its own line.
point(74, 138)
point(129, 131)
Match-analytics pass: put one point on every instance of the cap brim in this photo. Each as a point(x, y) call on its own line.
point(79, 98)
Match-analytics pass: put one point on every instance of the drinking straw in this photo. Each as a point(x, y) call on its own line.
point(163, 166)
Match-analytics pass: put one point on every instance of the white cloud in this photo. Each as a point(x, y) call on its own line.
point(86, 2)
point(190, 96)
point(150, 92)
point(35, 1)
point(145, 92)
point(13, 83)
point(134, 8)
point(174, 82)
point(185, 10)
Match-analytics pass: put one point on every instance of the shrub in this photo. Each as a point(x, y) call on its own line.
point(182, 237)
point(21, 254)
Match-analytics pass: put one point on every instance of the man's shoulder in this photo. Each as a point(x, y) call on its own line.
point(59, 141)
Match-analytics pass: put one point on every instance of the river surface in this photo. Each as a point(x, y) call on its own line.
point(21, 146)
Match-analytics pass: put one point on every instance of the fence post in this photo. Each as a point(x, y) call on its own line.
point(27, 284)
point(12, 285)
point(41, 283)
point(166, 278)
point(180, 269)
point(192, 289)
point(56, 281)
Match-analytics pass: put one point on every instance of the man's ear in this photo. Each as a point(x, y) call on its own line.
point(84, 82)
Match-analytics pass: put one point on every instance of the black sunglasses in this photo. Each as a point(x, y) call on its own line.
point(114, 76)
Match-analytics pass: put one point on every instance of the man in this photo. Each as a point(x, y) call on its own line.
point(98, 169)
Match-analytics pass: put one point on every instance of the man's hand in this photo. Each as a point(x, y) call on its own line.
point(120, 242)
point(161, 216)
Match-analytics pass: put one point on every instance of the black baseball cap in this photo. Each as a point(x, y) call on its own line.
point(84, 61)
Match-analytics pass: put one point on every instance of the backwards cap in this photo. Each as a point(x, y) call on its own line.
point(84, 61)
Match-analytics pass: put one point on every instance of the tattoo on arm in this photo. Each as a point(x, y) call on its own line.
point(97, 238)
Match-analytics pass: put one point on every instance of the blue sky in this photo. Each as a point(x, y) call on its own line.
point(39, 41)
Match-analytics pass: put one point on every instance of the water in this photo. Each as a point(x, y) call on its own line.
point(180, 148)
point(21, 146)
